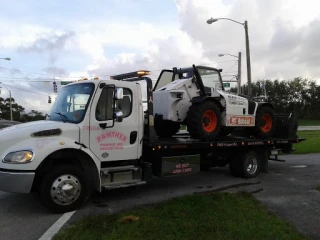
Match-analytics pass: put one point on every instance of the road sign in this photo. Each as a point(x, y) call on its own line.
point(226, 84)
point(65, 83)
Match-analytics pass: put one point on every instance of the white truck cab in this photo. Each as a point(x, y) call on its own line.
point(91, 124)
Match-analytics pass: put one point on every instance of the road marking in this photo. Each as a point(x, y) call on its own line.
point(299, 166)
point(48, 235)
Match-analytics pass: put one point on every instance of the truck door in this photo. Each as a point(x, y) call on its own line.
point(111, 140)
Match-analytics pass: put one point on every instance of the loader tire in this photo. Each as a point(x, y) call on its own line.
point(204, 120)
point(265, 122)
point(166, 128)
point(225, 131)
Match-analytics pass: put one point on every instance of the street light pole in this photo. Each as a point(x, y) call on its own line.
point(248, 57)
point(239, 73)
point(245, 24)
point(11, 117)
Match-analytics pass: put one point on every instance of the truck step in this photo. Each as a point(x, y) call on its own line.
point(123, 184)
point(106, 171)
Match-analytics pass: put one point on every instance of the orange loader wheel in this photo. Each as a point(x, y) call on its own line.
point(209, 121)
point(204, 120)
point(265, 125)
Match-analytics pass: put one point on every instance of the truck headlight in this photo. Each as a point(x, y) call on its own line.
point(18, 157)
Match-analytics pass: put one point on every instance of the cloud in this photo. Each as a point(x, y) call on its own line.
point(51, 44)
point(14, 34)
point(56, 71)
point(279, 42)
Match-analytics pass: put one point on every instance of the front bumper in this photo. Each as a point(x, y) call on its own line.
point(16, 182)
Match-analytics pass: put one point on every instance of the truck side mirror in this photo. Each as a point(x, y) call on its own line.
point(119, 94)
point(119, 116)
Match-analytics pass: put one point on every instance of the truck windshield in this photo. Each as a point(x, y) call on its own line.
point(71, 103)
point(210, 78)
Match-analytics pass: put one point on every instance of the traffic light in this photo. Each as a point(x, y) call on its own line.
point(55, 89)
point(49, 99)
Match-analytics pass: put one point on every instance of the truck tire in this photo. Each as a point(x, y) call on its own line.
point(64, 189)
point(249, 165)
point(166, 128)
point(245, 164)
point(204, 120)
point(265, 122)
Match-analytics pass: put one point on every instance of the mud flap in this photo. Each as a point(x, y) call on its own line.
point(264, 159)
point(180, 165)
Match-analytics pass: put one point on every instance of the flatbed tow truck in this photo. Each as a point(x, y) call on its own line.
point(98, 137)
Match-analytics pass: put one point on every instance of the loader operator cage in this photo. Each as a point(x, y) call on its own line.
point(206, 77)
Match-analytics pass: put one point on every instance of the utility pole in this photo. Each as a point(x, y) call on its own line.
point(245, 24)
point(248, 58)
point(239, 73)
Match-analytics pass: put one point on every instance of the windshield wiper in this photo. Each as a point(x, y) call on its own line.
point(62, 116)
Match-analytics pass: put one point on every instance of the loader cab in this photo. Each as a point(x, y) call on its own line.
point(208, 79)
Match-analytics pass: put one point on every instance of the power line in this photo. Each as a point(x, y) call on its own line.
point(231, 67)
point(45, 74)
point(27, 90)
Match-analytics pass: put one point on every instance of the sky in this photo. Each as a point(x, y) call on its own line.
point(67, 40)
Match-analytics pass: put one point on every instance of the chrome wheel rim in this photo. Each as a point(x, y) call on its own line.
point(251, 164)
point(65, 189)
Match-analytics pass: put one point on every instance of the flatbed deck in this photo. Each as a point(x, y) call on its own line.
point(183, 141)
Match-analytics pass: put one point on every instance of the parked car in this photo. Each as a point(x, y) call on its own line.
point(7, 123)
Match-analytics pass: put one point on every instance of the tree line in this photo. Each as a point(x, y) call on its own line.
point(18, 112)
point(299, 95)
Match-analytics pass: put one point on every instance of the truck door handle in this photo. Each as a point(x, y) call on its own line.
point(103, 125)
point(133, 137)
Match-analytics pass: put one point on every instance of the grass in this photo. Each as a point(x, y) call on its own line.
point(307, 122)
point(183, 127)
point(318, 187)
point(310, 145)
point(198, 216)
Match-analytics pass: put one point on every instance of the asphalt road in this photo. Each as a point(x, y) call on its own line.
point(288, 190)
point(310, 128)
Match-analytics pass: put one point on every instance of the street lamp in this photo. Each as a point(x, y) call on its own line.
point(10, 101)
point(222, 54)
point(245, 24)
point(239, 69)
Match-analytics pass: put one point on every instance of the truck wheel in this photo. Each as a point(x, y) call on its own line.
point(64, 189)
point(245, 164)
point(165, 128)
point(250, 165)
point(204, 120)
point(265, 125)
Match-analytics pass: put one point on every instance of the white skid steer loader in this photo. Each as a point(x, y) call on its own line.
point(195, 97)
